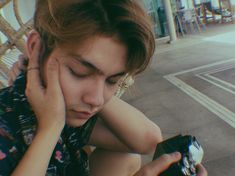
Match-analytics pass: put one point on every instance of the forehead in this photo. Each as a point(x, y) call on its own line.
point(107, 54)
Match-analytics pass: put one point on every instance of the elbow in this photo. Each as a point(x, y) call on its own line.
point(151, 138)
point(156, 135)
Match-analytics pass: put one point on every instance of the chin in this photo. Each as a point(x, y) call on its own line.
point(75, 122)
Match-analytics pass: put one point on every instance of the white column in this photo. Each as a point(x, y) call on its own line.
point(170, 20)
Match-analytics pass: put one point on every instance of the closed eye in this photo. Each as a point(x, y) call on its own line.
point(113, 80)
point(78, 75)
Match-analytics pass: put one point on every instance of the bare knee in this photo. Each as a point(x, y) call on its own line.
point(103, 162)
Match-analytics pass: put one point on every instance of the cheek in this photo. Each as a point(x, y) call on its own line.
point(74, 89)
point(70, 88)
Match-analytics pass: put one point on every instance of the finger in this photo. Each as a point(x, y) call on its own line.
point(164, 162)
point(33, 76)
point(17, 67)
point(21, 62)
point(10, 78)
point(34, 58)
point(52, 76)
point(13, 73)
point(16, 70)
point(201, 171)
point(10, 82)
point(22, 57)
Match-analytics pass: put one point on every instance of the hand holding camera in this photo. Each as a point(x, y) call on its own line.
point(177, 156)
point(191, 155)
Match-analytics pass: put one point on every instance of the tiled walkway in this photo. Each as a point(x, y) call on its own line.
point(190, 89)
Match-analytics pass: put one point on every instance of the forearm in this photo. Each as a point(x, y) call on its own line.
point(103, 138)
point(37, 157)
point(131, 126)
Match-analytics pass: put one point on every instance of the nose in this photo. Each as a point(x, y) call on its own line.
point(94, 95)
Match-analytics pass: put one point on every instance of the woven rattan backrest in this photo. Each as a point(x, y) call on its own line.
point(14, 44)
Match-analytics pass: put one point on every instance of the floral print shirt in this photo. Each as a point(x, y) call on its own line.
point(17, 129)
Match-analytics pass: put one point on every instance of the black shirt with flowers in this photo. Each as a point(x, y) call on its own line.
point(17, 129)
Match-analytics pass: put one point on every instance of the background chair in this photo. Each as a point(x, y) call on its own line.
point(190, 21)
point(226, 11)
point(14, 44)
point(187, 21)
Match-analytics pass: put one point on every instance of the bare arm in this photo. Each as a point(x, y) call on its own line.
point(103, 137)
point(49, 108)
point(36, 159)
point(125, 128)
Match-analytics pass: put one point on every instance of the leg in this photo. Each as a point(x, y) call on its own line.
point(107, 163)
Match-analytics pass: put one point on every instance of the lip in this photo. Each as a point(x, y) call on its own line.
point(81, 114)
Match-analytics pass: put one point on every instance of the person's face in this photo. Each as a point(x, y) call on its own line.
point(89, 75)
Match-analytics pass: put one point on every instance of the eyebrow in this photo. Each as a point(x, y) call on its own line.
point(89, 65)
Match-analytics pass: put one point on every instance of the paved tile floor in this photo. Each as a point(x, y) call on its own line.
point(189, 88)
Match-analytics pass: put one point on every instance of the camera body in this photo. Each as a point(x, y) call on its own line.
point(191, 152)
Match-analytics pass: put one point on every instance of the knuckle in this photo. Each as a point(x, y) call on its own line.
point(52, 66)
point(15, 64)
point(28, 92)
point(166, 158)
point(21, 57)
point(146, 171)
point(15, 68)
point(20, 63)
point(12, 75)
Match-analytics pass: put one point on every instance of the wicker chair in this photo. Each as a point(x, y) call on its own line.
point(14, 45)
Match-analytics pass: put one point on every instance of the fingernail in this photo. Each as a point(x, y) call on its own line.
point(54, 61)
point(176, 154)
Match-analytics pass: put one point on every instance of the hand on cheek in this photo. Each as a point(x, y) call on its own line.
point(47, 102)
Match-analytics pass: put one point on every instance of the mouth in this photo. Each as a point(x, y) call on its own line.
point(80, 114)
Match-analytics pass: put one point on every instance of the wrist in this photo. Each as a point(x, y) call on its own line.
point(54, 129)
point(107, 107)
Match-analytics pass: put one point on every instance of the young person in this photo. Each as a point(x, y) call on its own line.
point(78, 54)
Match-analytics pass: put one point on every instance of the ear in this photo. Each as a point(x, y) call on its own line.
point(33, 37)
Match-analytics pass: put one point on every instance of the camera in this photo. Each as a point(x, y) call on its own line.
point(191, 155)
